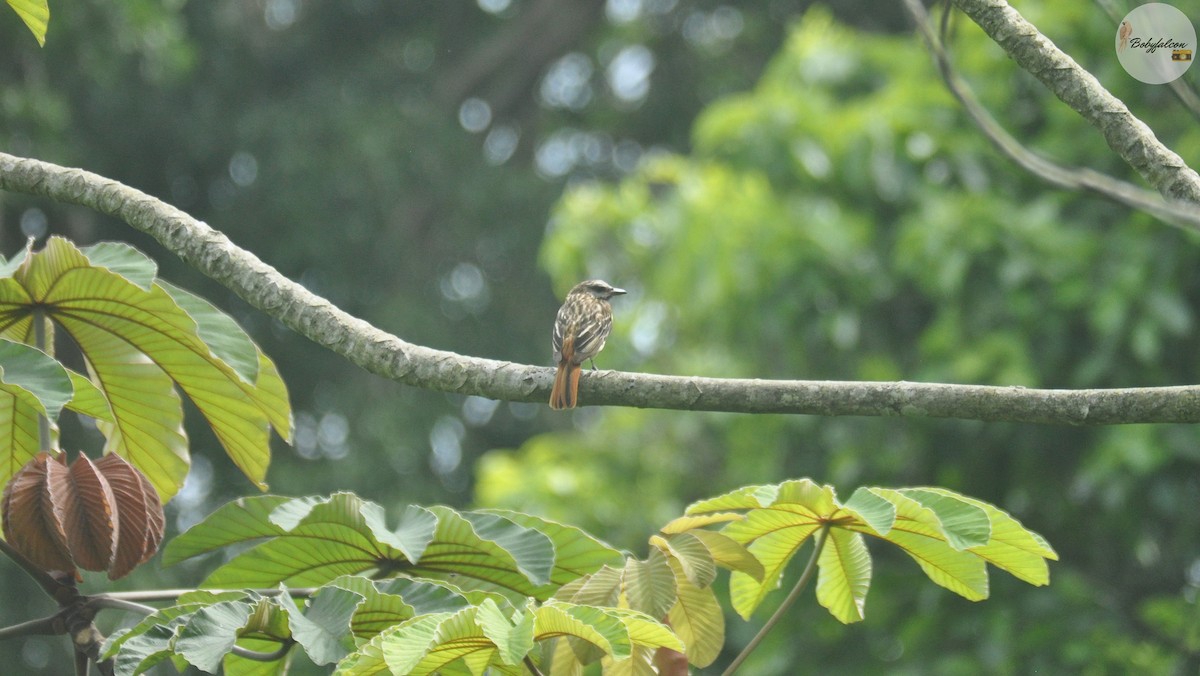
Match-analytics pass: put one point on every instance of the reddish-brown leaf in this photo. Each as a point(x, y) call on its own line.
point(29, 522)
point(140, 519)
point(90, 523)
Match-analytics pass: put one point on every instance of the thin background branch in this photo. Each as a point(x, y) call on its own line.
point(1071, 178)
point(1128, 136)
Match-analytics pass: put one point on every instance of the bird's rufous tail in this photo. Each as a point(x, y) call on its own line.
point(566, 386)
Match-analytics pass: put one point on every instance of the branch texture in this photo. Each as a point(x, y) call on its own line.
point(1070, 178)
point(387, 355)
point(1128, 136)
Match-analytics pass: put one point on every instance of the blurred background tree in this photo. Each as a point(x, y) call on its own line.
point(787, 191)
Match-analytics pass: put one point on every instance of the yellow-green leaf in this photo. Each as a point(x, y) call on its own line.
point(728, 553)
point(35, 14)
point(844, 575)
point(649, 586)
point(88, 399)
point(698, 621)
point(106, 295)
point(695, 561)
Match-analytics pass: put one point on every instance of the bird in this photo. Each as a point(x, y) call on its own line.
point(580, 329)
point(1123, 33)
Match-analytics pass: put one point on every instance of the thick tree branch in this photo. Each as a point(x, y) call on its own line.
point(1128, 136)
point(387, 355)
point(1070, 178)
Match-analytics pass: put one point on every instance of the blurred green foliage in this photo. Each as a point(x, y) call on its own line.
point(843, 220)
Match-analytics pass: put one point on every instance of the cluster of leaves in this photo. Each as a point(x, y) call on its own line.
point(462, 592)
point(140, 338)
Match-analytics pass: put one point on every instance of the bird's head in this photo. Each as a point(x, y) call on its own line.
point(597, 288)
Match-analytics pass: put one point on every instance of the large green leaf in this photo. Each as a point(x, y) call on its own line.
point(310, 541)
point(142, 339)
point(774, 533)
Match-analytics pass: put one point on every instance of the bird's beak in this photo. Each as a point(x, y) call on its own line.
point(617, 292)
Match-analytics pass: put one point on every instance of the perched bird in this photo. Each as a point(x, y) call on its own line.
point(1123, 33)
point(580, 330)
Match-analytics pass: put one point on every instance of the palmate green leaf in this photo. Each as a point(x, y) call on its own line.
point(235, 665)
point(128, 327)
point(773, 534)
point(747, 497)
point(561, 658)
point(639, 663)
point(416, 529)
point(35, 14)
point(871, 509)
point(312, 541)
point(684, 524)
point(432, 596)
point(950, 536)
point(381, 609)
point(124, 260)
